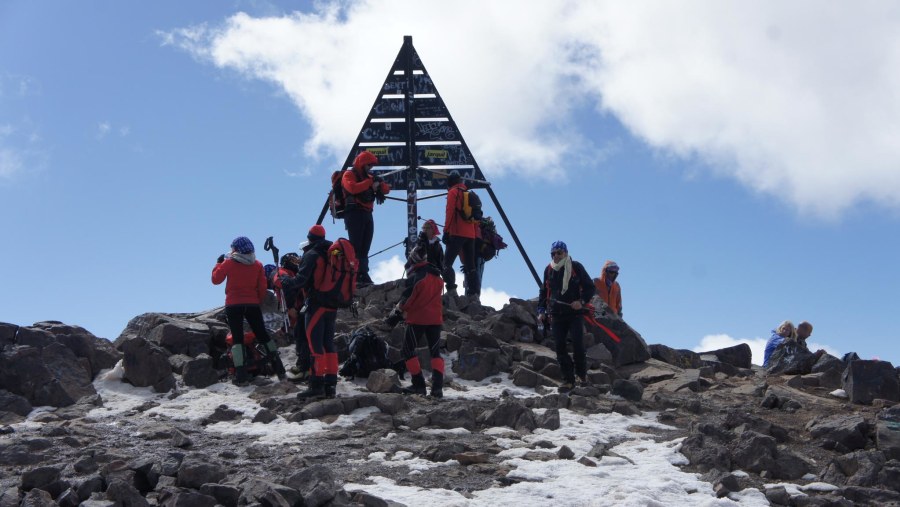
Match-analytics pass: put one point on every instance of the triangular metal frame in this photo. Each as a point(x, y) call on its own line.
point(418, 145)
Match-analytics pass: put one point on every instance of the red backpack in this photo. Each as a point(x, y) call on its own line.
point(335, 276)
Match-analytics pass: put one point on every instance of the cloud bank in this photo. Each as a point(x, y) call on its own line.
point(794, 100)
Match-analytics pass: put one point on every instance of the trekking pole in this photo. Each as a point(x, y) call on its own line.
point(270, 245)
point(386, 249)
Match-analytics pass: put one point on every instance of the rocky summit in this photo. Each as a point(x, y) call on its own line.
point(150, 419)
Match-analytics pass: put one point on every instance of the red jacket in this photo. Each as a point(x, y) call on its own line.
point(355, 184)
point(454, 225)
point(422, 296)
point(246, 282)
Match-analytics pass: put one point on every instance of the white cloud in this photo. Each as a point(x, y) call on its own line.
point(494, 298)
point(757, 345)
point(386, 271)
point(10, 162)
point(790, 99)
point(103, 129)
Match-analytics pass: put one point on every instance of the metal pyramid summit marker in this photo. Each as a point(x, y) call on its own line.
point(418, 145)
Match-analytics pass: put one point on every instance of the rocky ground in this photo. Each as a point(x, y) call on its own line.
point(146, 420)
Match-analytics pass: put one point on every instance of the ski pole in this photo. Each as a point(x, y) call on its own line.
point(386, 249)
point(270, 245)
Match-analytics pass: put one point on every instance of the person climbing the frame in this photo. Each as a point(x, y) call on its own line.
point(566, 289)
point(245, 288)
point(362, 189)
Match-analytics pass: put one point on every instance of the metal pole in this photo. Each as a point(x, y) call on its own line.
point(515, 237)
point(412, 226)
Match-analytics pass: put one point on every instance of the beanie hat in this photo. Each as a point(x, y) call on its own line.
point(363, 159)
point(242, 245)
point(559, 245)
point(453, 179)
point(289, 258)
point(434, 225)
point(316, 232)
point(270, 268)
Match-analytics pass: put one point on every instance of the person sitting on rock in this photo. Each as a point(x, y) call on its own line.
point(608, 288)
point(565, 290)
point(420, 305)
point(245, 288)
point(804, 329)
point(784, 333)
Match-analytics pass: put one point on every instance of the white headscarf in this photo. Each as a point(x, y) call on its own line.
point(566, 264)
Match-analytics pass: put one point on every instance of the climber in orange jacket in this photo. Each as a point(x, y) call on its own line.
point(608, 288)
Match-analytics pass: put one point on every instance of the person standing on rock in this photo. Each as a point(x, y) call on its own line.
point(784, 333)
point(430, 238)
point(460, 239)
point(566, 289)
point(293, 301)
point(362, 190)
point(245, 288)
point(319, 318)
point(608, 288)
point(421, 307)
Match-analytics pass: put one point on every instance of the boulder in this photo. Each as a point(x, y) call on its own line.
point(792, 358)
point(681, 358)
point(887, 432)
point(631, 390)
point(52, 375)
point(181, 337)
point(511, 413)
point(316, 484)
point(11, 402)
point(456, 415)
point(866, 380)
point(199, 372)
point(262, 492)
point(100, 353)
point(738, 356)
point(383, 381)
point(7, 334)
point(478, 363)
point(842, 433)
point(147, 365)
point(630, 346)
point(196, 472)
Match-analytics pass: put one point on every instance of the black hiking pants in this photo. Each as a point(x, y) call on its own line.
point(432, 333)
point(235, 315)
point(458, 246)
point(360, 229)
point(571, 326)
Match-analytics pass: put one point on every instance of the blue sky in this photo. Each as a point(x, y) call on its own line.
point(738, 161)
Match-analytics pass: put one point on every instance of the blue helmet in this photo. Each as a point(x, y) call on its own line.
point(559, 245)
point(242, 245)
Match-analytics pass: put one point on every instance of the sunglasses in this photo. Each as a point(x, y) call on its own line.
point(557, 252)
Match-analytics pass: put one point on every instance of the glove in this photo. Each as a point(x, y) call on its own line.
point(221, 259)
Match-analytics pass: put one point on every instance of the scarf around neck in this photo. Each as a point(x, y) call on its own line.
point(566, 265)
point(249, 258)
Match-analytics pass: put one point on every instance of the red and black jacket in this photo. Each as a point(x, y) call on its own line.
point(421, 299)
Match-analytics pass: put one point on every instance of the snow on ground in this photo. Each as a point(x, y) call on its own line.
point(646, 474)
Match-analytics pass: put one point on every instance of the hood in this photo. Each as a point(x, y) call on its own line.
point(603, 271)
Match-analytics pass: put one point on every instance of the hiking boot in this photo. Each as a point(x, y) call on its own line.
point(241, 378)
point(417, 387)
point(437, 384)
point(315, 390)
point(278, 366)
point(330, 386)
point(567, 387)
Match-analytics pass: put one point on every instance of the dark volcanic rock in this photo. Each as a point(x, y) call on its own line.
point(842, 433)
point(738, 356)
point(681, 358)
point(865, 381)
point(147, 365)
point(475, 363)
point(510, 412)
point(316, 484)
point(199, 372)
point(52, 375)
point(631, 347)
point(631, 390)
point(194, 473)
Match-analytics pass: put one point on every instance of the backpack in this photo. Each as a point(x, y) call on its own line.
point(337, 201)
point(367, 352)
point(489, 242)
point(471, 207)
point(335, 276)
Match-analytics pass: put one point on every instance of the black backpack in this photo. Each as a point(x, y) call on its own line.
point(368, 353)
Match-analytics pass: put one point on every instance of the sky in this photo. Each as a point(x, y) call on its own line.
point(638, 471)
point(738, 161)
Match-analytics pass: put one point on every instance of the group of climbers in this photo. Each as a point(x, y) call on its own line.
point(300, 285)
point(787, 334)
